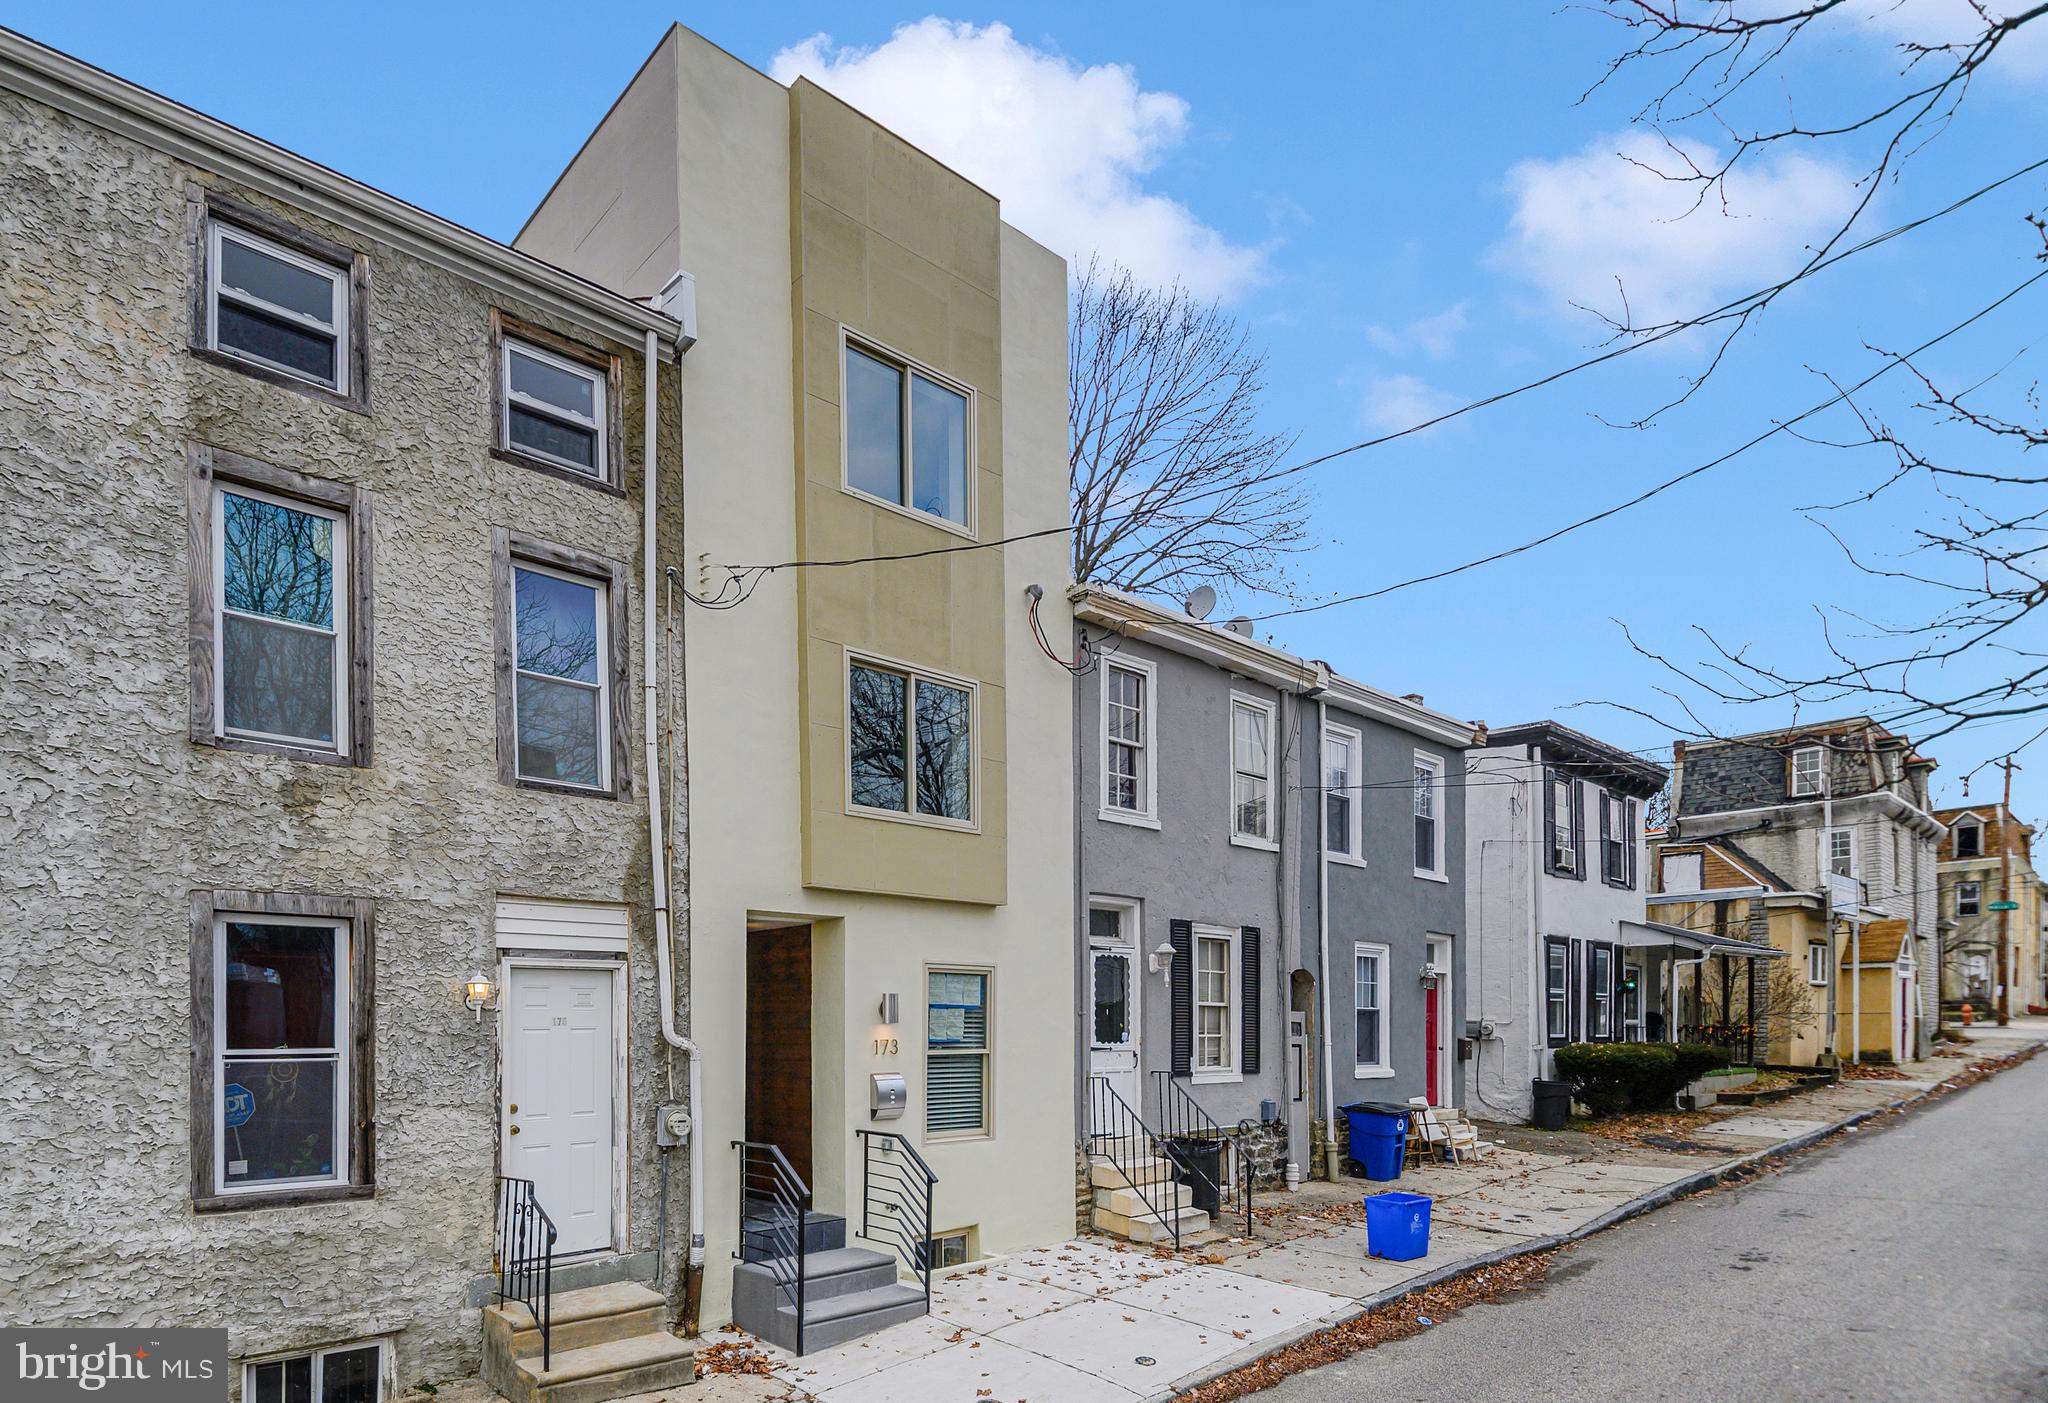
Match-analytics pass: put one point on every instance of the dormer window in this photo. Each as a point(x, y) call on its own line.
point(1969, 839)
point(1806, 771)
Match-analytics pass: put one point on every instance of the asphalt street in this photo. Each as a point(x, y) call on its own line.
point(1905, 1260)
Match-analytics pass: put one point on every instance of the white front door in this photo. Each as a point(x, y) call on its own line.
point(560, 1080)
point(1113, 1031)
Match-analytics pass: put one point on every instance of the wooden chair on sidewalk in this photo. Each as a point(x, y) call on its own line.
point(1435, 1134)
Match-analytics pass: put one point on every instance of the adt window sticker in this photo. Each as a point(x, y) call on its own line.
point(47, 1364)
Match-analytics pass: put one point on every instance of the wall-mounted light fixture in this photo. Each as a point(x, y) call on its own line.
point(1160, 961)
point(1430, 973)
point(480, 992)
point(887, 1011)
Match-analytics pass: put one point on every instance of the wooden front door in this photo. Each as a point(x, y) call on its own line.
point(779, 1042)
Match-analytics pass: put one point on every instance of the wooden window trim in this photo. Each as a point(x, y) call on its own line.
point(506, 547)
point(207, 907)
point(505, 327)
point(203, 209)
point(208, 466)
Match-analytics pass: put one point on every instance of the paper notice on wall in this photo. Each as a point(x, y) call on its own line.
point(948, 1023)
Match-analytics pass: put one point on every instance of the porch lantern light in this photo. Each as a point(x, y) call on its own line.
point(1161, 959)
point(1430, 974)
point(480, 992)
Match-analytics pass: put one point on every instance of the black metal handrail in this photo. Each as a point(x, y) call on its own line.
point(1180, 1118)
point(775, 1209)
point(525, 1256)
point(896, 1200)
point(1120, 1135)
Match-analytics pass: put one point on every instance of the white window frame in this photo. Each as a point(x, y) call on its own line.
point(1424, 760)
point(1600, 993)
point(341, 592)
point(597, 426)
point(1233, 1005)
point(219, 230)
point(344, 1071)
point(908, 367)
point(1559, 997)
point(1381, 1064)
point(381, 1343)
point(909, 813)
point(1976, 898)
point(1631, 1002)
point(1353, 852)
point(1818, 958)
point(1827, 852)
point(1147, 815)
point(1124, 946)
point(603, 685)
point(1564, 826)
point(1665, 869)
point(1817, 783)
point(987, 1051)
point(1244, 701)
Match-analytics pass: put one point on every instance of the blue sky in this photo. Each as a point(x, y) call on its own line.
point(1401, 199)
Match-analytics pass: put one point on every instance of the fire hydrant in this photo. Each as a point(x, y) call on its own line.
point(1968, 1014)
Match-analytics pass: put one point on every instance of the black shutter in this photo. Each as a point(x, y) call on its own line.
point(1549, 819)
point(1182, 934)
point(1606, 836)
point(1575, 986)
point(1630, 832)
point(1248, 957)
point(1578, 830)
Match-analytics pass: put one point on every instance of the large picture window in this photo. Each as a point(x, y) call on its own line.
point(1369, 983)
point(956, 1052)
point(910, 743)
point(908, 436)
point(1251, 765)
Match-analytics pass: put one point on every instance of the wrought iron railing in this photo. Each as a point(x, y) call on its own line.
point(896, 1200)
point(1738, 1039)
point(775, 1212)
point(525, 1256)
point(1182, 1123)
point(1119, 1134)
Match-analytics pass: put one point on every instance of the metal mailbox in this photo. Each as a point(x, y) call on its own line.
point(888, 1094)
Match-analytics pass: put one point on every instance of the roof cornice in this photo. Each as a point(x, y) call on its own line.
point(1189, 636)
point(42, 74)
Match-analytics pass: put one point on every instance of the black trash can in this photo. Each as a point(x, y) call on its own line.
point(1200, 1163)
point(1553, 1104)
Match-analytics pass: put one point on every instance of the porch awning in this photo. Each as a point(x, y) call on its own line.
point(1637, 935)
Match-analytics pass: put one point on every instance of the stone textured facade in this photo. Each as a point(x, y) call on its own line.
point(111, 815)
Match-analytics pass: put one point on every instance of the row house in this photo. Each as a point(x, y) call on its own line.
point(335, 869)
point(1986, 858)
point(1270, 905)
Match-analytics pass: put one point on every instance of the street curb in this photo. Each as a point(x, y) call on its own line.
point(1634, 1208)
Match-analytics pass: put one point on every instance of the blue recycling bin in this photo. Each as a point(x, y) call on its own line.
point(1379, 1136)
point(1397, 1226)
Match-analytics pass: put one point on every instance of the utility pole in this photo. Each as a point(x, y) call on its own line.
point(2005, 902)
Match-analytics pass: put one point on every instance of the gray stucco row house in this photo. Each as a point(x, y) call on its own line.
point(332, 892)
point(1271, 905)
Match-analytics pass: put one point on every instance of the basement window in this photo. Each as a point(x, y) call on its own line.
point(347, 1374)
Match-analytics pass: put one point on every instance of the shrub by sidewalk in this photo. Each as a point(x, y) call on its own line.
point(1610, 1078)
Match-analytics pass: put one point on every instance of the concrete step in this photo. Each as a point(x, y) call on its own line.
point(594, 1315)
point(1152, 1227)
point(843, 1318)
point(1104, 1174)
point(766, 1232)
point(595, 1373)
point(1156, 1198)
point(840, 1272)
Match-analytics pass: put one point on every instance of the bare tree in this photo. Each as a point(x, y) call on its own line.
point(1173, 482)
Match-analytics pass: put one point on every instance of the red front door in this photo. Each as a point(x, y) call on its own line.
point(1429, 997)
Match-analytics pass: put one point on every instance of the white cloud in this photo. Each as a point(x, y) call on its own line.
point(1434, 336)
point(1395, 402)
point(1581, 222)
point(1064, 148)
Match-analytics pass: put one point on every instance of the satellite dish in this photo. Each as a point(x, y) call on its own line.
point(1201, 601)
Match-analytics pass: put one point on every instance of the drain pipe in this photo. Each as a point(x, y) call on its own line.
point(1332, 1157)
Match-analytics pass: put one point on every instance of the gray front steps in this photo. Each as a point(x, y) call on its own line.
point(1143, 1200)
point(767, 1231)
point(848, 1292)
point(604, 1342)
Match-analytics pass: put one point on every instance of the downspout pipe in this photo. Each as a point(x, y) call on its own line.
point(1331, 1155)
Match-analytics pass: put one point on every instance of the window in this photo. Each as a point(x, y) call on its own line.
point(1969, 839)
point(553, 409)
point(1806, 771)
point(1369, 983)
point(1127, 782)
point(956, 1063)
point(561, 668)
point(279, 611)
point(1682, 872)
point(1429, 776)
point(1110, 934)
point(909, 743)
point(952, 1249)
point(1969, 898)
point(1617, 840)
point(1215, 1003)
point(1816, 962)
point(1557, 1008)
point(1563, 823)
point(277, 308)
point(1632, 1003)
point(928, 469)
point(349, 1374)
point(1251, 764)
point(281, 987)
point(1340, 794)
point(1599, 993)
point(1841, 852)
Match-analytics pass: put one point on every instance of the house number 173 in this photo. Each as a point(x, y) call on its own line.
point(886, 1047)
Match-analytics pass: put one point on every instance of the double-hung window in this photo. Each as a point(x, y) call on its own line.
point(909, 435)
point(275, 307)
point(956, 1064)
point(1340, 794)
point(1616, 839)
point(1251, 771)
point(1128, 785)
point(347, 1374)
point(1816, 962)
point(561, 621)
point(1369, 1008)
point(910, 745)
point(1563, 825)
point(1215, 1003)
point(1969, 898)
point(554, 410)
point(1599, 993)
point(1807, 764)
point(1841, 852)
point(1557, 992)
point(1429, 843)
